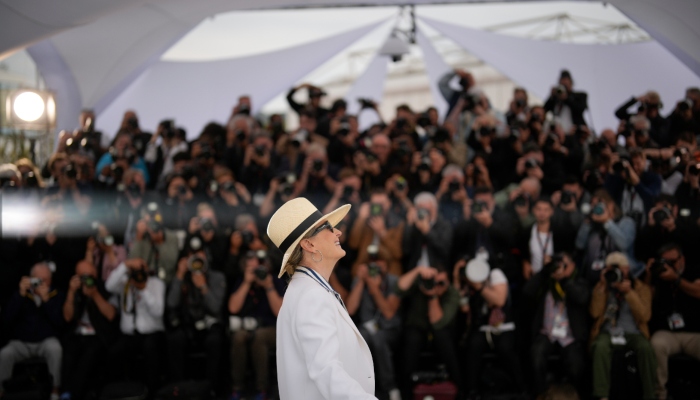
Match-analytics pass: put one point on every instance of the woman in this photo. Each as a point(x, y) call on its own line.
point(320, 352)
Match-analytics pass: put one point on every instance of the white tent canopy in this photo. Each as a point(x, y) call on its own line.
point(609, 73)
point(93, 52)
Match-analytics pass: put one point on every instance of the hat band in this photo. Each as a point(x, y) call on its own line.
point(303, 226)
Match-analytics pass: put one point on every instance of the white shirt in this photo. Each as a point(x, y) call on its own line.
point(148, 303)
point(541, 244)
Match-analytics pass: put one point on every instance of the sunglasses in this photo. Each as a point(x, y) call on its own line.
point(325, 225)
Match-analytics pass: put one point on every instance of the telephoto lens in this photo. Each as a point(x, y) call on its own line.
point(613, 275)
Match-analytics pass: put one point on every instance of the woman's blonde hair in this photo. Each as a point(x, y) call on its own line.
point(297, 256)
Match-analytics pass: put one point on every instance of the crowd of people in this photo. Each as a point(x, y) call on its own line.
point(520, 234)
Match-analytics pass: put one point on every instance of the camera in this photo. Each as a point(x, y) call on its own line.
point(69, 171)
point(182, 190)
point(138, 275)
point(403, 149)
point(197, 264)
point(599, 209)
point(427, 284)
point(531, 163)
point(454, 186)
point(486, 131)
point(343, 127)
point(567, 197)
point(694, 169)
point(521, 200)
point(685, 105)
point(260, 150)
point(348, 191)
point(423, 119)
point(260, 272)
point(401, 183)
point(228, 187)
point(422, 213)
point(318, 165)
point(555, 264)
point(244, 109)
point(134, 189)
point(373, 269)
point(88, 281)
point(30, 180)
point(425, 164)
point(375, 209)
point(478, 206)
point(154, 226)
point(560, 90)
point(614, 274)
point(658, 267)
point(247, 237)
point(35, 282)
point(207, 224)
point(661, 215)
point(287, 182)
point(365, 103)
point(618, 167)
point(300, 137)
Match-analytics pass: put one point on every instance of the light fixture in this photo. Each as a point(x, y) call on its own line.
point(27, 109)
point(394, 47)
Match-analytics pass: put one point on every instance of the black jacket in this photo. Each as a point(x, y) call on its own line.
point(577, 102)
point(438, 242)
point(107, 331)
point(577, 297)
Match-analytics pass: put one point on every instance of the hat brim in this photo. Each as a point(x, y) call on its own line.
point(334, 217)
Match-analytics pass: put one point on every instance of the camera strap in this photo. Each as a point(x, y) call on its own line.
point(544, 246)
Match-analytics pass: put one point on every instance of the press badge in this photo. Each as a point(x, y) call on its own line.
point(371, 326)
point(598, 265)
point(617, 336)
point(558, 328)
point(675, 321)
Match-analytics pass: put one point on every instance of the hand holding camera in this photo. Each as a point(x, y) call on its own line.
point(138, 272)
point(427, 281)
point(600, 213)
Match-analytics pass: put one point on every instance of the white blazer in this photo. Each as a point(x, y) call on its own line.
point(320, 353)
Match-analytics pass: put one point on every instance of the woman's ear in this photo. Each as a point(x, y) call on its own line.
point(307, 245)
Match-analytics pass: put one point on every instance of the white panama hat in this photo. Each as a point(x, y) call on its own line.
point(293, 221)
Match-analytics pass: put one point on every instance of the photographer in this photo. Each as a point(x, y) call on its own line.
point(649, 105)
point(685, 117)
point(313, 106)
point(258, 165)
point(344, 134)
point(675, 320)
point(570, 201)
point(255, 301)
point(490, 228)
point(156, 245)
point(195, 300)
point(282, 189)
point(92, 328)
point(124, 210)
point(178, 205)
point(315, 181)
point(120, 157)
point(377, 225)
point(66, 191)
point(374, 303)
point(603, 232)
point(466, 81)
point(238, 131)
point(245, 237)
point(427, 237)
point(632, 186)
point(665, 227)
point(159, 156)
point(544, 239)
point(102, 251)
point(566, 105)
point(141, 303)
point(452, 194)
point(491, 319)
point(233, 198)
point(346, 191)
point(426, 170)
point(518, 109)
point(559, 325)
point(34, 318)
point(431, 310)
point(205, 226)
point(621, 309)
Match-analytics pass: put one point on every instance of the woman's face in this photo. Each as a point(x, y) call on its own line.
point(327, 241)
